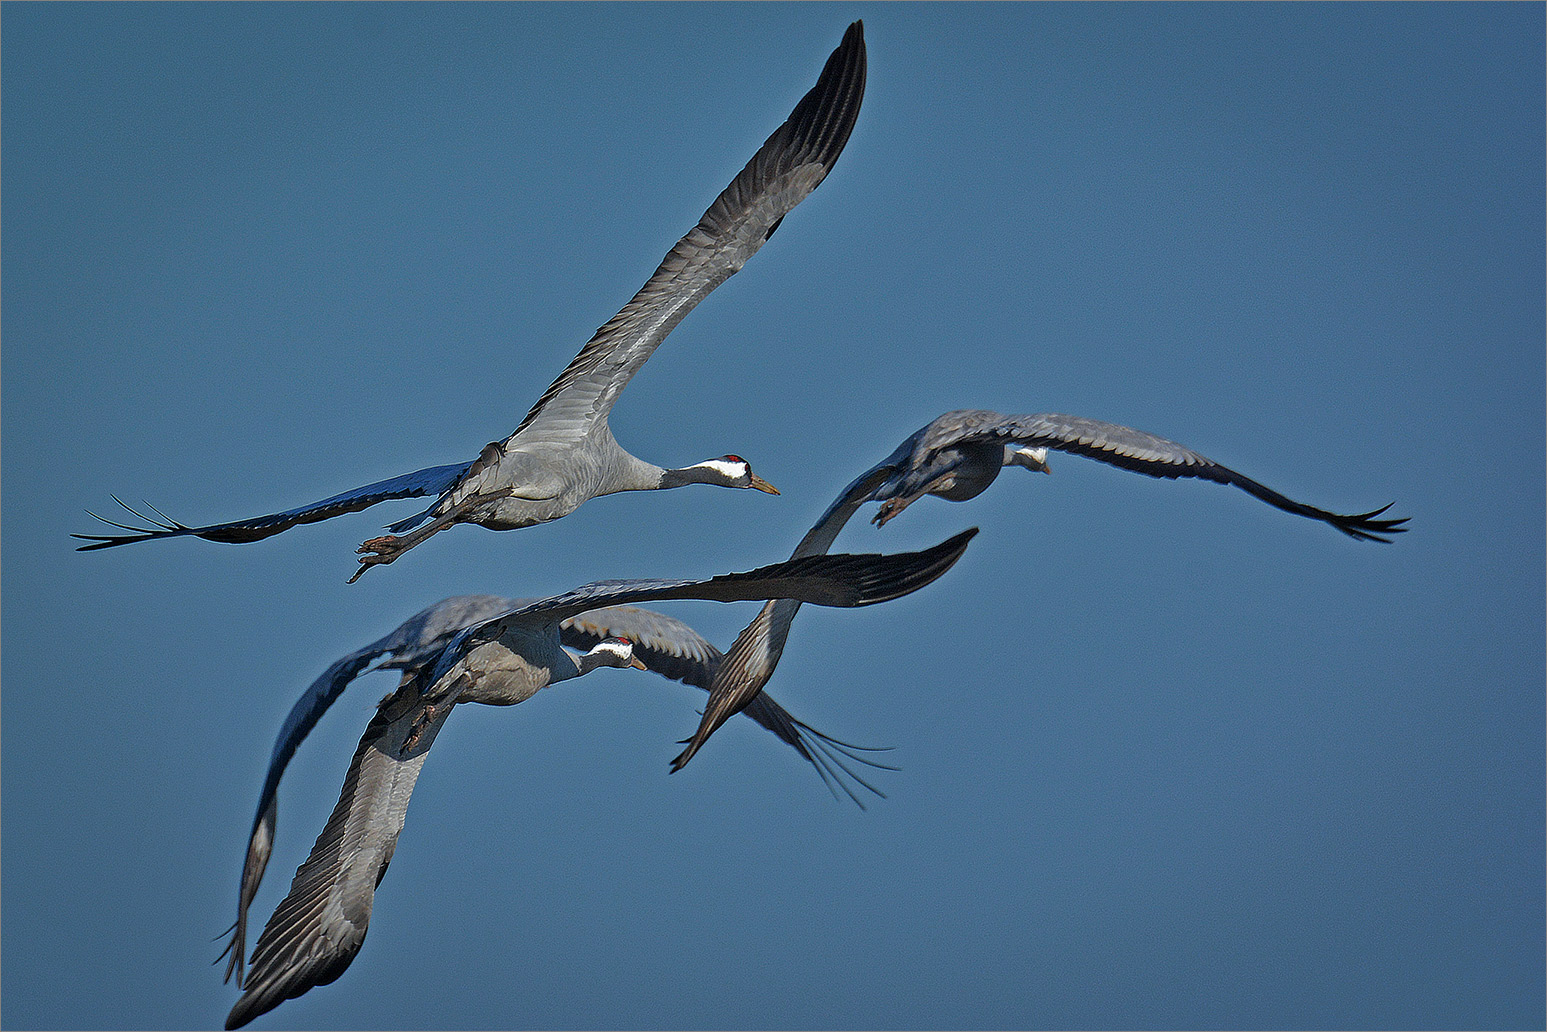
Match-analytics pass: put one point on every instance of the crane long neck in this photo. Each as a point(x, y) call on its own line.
point(698, 474)
point(612, 652)
point(589, 662)
point(631, 473)
point(563, 671)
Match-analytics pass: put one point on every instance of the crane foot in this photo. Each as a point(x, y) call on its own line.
point(417, 730)
point(888, 510)
point(379, 552)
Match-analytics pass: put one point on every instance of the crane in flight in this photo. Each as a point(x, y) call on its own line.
point(956, 457)
point(563, 454)
point(486, 652)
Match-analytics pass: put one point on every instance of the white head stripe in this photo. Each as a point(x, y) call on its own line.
point(616, 648)
point(730, 470)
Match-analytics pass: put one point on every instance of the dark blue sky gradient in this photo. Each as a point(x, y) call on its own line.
point(1170, 758)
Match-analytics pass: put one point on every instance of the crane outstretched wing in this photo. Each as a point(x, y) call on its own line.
point(1115, 445)
point(433, 481)
point(320, 924)
point(416, 640)
point(671, 648)
point(789, 165)
point(844, 580)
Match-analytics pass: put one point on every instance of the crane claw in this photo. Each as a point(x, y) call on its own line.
point(378, 552)
point(889, 508)
point(417, 730)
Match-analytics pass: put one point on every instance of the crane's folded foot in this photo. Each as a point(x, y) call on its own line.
point(889, 508)
point(417, 730)
point(382, 550)
point(379, 552)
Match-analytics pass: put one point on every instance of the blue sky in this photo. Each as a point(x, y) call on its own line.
point(1169, 757)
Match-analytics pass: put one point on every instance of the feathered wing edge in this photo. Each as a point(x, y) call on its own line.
point(671, 648)
point(789, 165)
point(260, 841)
point(435, 480)
point(750, 663)
point(1154, 456)
point(318, 928)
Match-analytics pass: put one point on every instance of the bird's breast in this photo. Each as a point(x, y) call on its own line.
point(507, 670)
point(511, 513)
point(969, 477)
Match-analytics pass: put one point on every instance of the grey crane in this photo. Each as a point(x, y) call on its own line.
point(487, 652)
point(956, 457)
point(660, 643)
point(563, 453)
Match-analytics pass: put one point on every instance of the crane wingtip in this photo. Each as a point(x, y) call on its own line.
point(681, 759)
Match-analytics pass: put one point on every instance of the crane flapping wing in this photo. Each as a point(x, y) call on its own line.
point(320, 924)
point(433, 481)
point(844, 580)
point(789, 165)
point(1115, 445)
point(416, 640)
point(671, 648)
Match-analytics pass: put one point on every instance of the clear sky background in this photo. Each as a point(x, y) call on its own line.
point(1169, 757)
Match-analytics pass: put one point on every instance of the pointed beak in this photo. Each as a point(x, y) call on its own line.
point(762, 485)
point(638, 664)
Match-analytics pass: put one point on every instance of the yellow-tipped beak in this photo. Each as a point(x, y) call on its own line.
point(762, 485)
